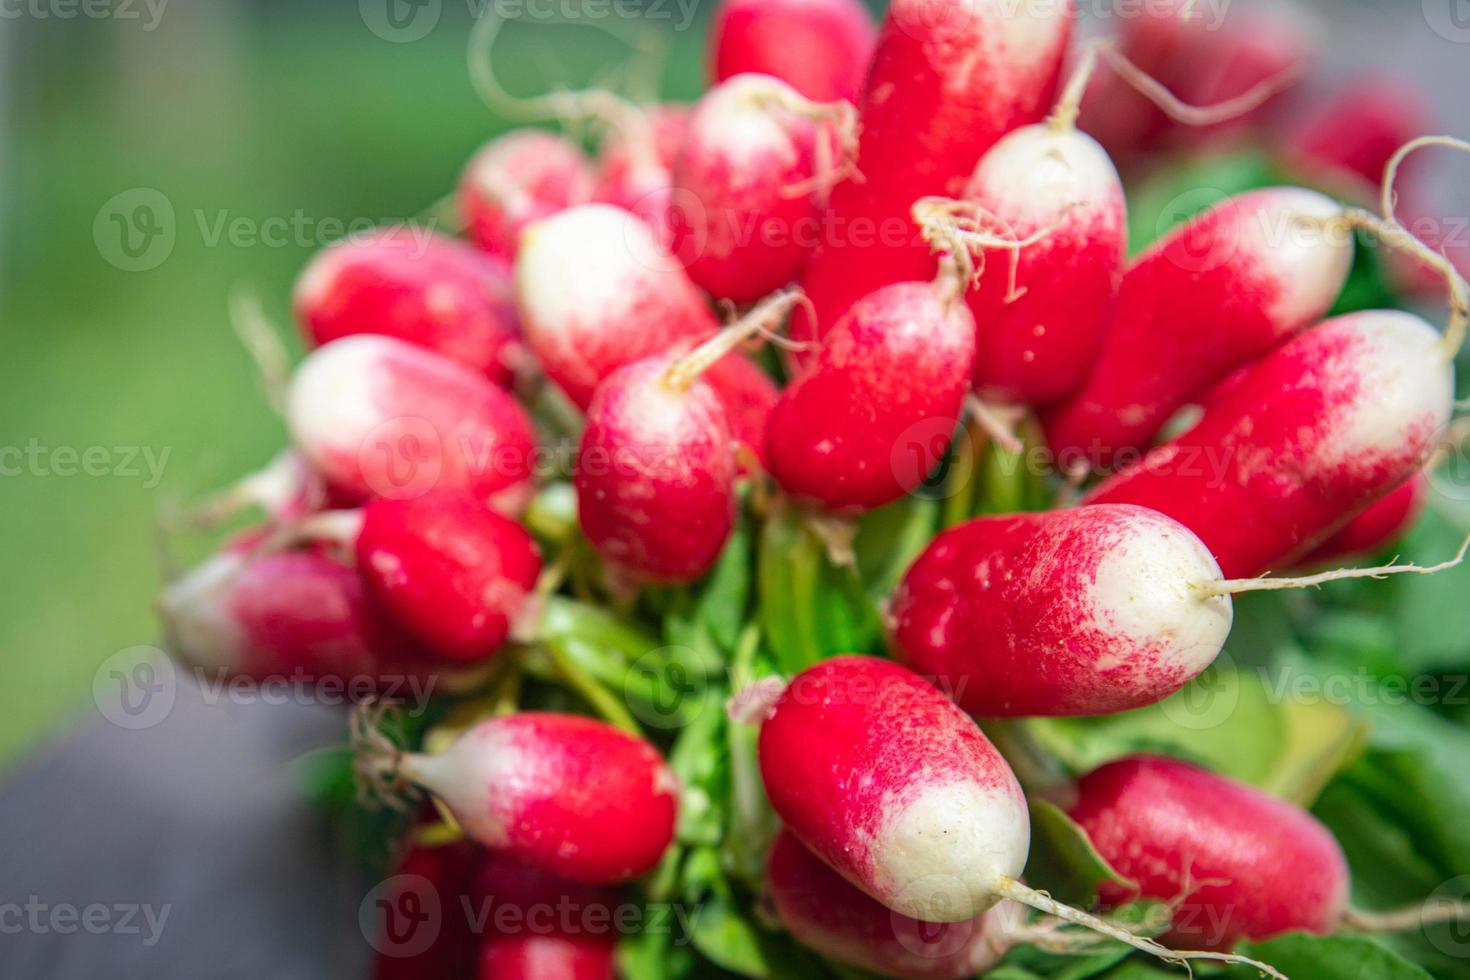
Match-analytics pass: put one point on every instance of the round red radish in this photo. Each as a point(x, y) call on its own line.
point(451, 572)
point(1213, 294)
point(568, 794)
point(826, 913)
point(946, 83)
point(891, 784)
point(515, 179)
point(636, 166)
point(1378, 527)
point(1041, 320)
point(1074, 612)
point(426, 893)
point(1242, 864)
point(736, 210)
point(748, 395)
point(380, 417)
point(542, 927)
point(656, 473)
point(420, 287)
point(867, 421)
point(820, 48)
point(1300, 442)
point(597, 291)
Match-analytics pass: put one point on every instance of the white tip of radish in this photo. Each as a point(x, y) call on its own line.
point(330, 405)
point(1290, 237)
point(464, 773)
point(940, 854)
point(1042, 173)
point(1145, 589)
point(196, 614)
point(739, 118)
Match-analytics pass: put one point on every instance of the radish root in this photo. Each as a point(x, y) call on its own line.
point(1263, 584)
point(1063, 118)
point(843, 116)
point(377, 759)
point(261, 341)
point(965, 230)
point(1432, 912)
point(760, 321)
point(1017, 892)
point(996, 421)
point(1191, 115)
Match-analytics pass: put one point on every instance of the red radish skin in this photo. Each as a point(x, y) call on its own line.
point(944, 86)
point(746, 231)
point(542, 927)
point(891, 784)
point(843, 432)
point(1377, 528)
point(826, 913)
point(748, 395)
point(1214, 294)
point(449, 871)
point(821, 48)
point(1301, 442)
point(377, 416)
point(516, 179)
point(1039, 331)
point(1245, 865)
point(656, 474)
point(541, 956)
point(570, 795)
point(454, 574)
point(423, 288)
point(1352, 136)
point(1088, 611)
point(635, 166)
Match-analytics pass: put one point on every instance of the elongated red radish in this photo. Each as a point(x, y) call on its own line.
point(1242, 864)
point(1074, 612)
point(745, 183)
point(428, 878)
point(657, 464)
point(1300, 443)
point(868, 419)
point(635, 165)
point(944, 85)
point(541, 927)
point(567, 794)
point(887, 781)
point(1352, 136)
point(515, 179)
point(1379, 527)
point(826, 913)
point(380, 417)
point(451, 572)
point(1040, 322)
point(417, 286)
point(821, 48)
point(1214, 294)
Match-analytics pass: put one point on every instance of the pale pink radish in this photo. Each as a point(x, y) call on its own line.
point(945, 84)
point(570, 795)
point(1212, 295)
point(377, 416)
point(635, 165)
point(417, 286)
point(821, 48)
point(1301, 442)
point(746, 183)
point(517, 178)
point(452, 573)
point(826, 913)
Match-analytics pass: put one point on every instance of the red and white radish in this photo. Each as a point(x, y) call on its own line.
point(821, 48)
point(570, 795)
point(635, 165)
point(1074, 612)
point(1379, 527)
point(826, 913)
point(520, 177)
point(377, 416)
point(452, 573)
point(542, 927)
point(1214, 294)
point(417, 286)
point(1241, 864)
point(945, 84)
point(748, 395)
point(846, 433)
point(1301, 442)
point(745, 182)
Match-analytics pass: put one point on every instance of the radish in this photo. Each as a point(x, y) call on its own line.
point(517, 178)
point(635, 165)
point(548, 956)
point(1378, 527)
point(420, 287)
point(745, 183)
point(452, 573)
point(425, 875)
point(748, 396)
point(945, 84)
point(826, 913)
point(898, 790)
point(570, 795)
point(542, 927)
point(1212, 295)
point(377, 416)
point(1300, 442)
point(843, 432)
point(1351, 137)
point(657, 464)
point(820, 48)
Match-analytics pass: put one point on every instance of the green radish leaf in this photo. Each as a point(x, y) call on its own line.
point(1340, 957)
point(1030, 963)
point(1437, 599)
point(1063, 860)
point(889, 539)
point(729, 939)
point(657, 954)
point(725, 598)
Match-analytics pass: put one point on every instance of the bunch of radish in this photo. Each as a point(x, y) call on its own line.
point(557, 462)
